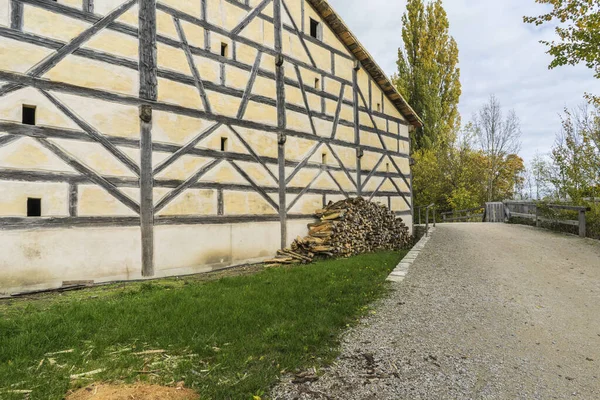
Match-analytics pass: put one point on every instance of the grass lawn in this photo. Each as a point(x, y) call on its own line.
point(229, 338)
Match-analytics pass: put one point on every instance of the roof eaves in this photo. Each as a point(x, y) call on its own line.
point(339, 27)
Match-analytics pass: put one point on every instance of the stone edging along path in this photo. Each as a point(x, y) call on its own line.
point(399, 273)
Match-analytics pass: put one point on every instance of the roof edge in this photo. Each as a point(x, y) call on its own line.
point(339, 27)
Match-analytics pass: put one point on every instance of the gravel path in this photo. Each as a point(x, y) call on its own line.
point(487, 311)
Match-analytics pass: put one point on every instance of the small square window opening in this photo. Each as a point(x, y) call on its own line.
point(34, 207)
point(317, 83)
point(315, 29)
point(28, 115)
point(223, 144)
point(378, 107)
point(224, 50)
point(324, 158)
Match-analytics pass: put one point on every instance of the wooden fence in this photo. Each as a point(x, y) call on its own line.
point(468, 215)
point(531, 210)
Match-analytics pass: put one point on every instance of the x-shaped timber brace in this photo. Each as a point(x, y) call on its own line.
point(147, 175)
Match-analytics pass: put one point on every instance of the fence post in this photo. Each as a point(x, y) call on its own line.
point(537, 217)
point(582, 228)
point(427, 221)
point(434, 216)
point(420, 209)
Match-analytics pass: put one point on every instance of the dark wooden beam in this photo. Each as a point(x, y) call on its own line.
point(148, 65)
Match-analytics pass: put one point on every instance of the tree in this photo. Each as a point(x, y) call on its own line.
point(576, 155)
point(428, 75)
point(578, 30)
point(499, 139)
point(541, 172)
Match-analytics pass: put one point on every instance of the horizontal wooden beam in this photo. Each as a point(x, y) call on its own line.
point(44, 84)
point(16, 130)
point(121, 182)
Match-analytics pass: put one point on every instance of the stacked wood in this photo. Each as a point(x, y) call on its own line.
point(346, 228)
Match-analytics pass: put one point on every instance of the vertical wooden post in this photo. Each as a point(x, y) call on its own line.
point(16, 15)
point(73, 199)
point(427, 221)
point(359, 152)
point(582, 227)
point(434, 216)
point(537, 217)
point(88, 6)
point(148, 91)
point(281, 118)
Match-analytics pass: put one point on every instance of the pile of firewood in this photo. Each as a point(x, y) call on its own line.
point(347, 228)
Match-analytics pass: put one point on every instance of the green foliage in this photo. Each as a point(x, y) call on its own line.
point(428, 74)
point(572, 171)
point(454, 176)
point(576, 155)
point(578, 29)
point(227, 339)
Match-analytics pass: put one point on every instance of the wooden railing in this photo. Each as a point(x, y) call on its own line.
point(531, 210)
point(468, 215)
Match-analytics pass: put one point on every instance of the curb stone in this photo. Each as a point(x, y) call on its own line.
point(399, 273)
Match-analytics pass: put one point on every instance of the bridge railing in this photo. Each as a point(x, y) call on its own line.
point(549, 214)
point(468, 215)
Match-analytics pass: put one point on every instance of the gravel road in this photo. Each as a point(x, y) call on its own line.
point(487, 311)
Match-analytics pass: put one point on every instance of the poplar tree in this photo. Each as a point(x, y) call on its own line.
point(428, 75)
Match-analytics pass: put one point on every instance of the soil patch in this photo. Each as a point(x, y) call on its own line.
point(133, 392)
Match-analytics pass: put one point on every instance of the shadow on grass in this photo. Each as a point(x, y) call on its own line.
point(227, 339)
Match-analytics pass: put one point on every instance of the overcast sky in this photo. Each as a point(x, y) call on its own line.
point(499, 54)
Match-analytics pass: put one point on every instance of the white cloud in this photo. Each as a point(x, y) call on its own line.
point(499, 54)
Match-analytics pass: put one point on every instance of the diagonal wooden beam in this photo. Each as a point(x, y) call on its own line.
point(6, 139)
point(195, 73)
point(248, 91)
point(303, 192)
point(305, 99)
point(253, 153)
point(49, 62)
point(342, 166)
point(303, 163)
point(378, 187)
point(186, 149)
point(258, 189)
point(401, 194)
point(90, 174)
point(169, 197)
point(373, 171)
point(94, 134)
point(338, 111)
point(371, 118)
point(338, 184)
point(251, 15)
point(397, 168)
point(310, 57)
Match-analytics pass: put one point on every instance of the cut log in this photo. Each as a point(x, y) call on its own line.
point(346, 228)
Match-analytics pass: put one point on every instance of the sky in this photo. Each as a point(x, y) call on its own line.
point(499, 54)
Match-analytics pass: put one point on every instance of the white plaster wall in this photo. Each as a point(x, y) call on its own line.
point(5, 13)
point(44, 258)
point(106, 6)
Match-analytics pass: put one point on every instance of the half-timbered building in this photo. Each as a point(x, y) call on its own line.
point(157, 138)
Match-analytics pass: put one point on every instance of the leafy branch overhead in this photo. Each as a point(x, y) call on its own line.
point(578, 29)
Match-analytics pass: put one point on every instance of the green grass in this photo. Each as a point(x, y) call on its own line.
point(228, 339)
